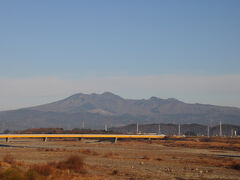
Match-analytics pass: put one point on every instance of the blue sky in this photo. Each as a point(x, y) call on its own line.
point(76, 41)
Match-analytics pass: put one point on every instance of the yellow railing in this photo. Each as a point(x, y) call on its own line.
point(134, 136)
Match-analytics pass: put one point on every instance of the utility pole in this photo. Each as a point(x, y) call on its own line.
point(83, 125)
point(159, 129)
point(137, 128)
point(208, 131)
point(220, 129)
point(105, 127)
point(179, 130)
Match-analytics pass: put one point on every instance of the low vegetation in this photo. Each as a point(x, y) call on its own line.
point(74, 163)
point(112, 155)
point(88, 152)
point(124, 160)
point(203, 142)
point(145, 157)
point(51, 170)
point(8, 158)
point(224, 162)
point(43, 169)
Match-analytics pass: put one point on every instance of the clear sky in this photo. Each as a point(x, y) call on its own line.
point(185, 49)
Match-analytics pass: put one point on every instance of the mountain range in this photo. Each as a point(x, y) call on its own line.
point(96, 110)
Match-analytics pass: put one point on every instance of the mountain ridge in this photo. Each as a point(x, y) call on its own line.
point(95, 110)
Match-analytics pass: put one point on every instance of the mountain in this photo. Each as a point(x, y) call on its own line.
point(96, 110)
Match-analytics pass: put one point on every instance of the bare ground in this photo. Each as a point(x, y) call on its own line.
point(159, 159)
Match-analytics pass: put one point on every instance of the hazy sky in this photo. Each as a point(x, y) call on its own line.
point(189, 50)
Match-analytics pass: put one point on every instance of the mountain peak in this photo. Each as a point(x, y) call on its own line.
point(173, 100)
point(110, 95)
point(107, 93)
point(153, 98)
point(76, 96)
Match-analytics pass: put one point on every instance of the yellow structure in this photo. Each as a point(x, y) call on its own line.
point(81, 136)
point(116, 136)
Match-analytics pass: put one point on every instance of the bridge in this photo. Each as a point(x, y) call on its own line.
point(81, 136)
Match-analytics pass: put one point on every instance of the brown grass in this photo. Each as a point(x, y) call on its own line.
point(43, 169)
point(203, 142)
point(115, 172)
point(33, 175)
point(15, 173)
point(12, 174)
point(88, 152)
point(52, 149)
point(217, 162)
point(111, 155)
point(74, 162)
point(158, 159)
point(174, 157)
point(8, 158)
point(235, 165)
point(145, 157)
point(49, 150)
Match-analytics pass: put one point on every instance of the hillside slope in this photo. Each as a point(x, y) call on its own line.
point(107, 108)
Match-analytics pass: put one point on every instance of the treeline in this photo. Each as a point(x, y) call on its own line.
point(61, 131)
point(167, 129)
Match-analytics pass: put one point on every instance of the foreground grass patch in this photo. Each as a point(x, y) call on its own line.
point(74, 162)
point(51, 170)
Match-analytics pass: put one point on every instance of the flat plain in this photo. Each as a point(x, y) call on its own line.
point(170, 158)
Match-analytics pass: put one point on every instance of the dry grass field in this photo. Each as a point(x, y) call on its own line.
point(171, 158)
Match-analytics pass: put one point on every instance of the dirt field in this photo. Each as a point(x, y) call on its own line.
point(186, 158)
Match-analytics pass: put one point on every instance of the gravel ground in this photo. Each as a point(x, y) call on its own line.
point(129, 159)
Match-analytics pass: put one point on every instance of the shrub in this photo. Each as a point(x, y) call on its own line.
point(43, 169)
point(8, 158)
point(74, 162)
point(158, 159)
point(235, 165)
point(115, 172)
point(205, 140)
point(146, 157)
point(88, 152)
point(15, 173)
point(12, 174)
point(33, 175)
